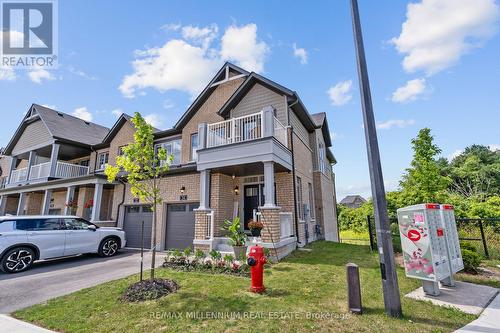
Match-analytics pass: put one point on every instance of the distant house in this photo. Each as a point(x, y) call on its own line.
point(353, 201)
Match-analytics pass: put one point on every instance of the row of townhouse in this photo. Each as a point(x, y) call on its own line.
point(247, 147)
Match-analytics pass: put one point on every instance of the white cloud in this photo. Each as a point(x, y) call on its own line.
point(50, 106)
point(154, 119)
point(410, 92)
point(39, 74)
point(456, 153)
point(117, 112)
point(335, 136)
point(82, 113)
point(171, 26)
point(300, 53)
point(203, 36)
point(81, 73)
point(340, 93)
point(176, 65)
point(7, 74)
point(240, 44)
point(187, 64)
point(168, 104)
point(437, 33)
point(399, 123)
point(494, 147)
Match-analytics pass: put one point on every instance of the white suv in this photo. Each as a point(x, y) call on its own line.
point(24, 239)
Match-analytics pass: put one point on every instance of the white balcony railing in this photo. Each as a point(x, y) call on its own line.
point(209, 225)
point(3, 182)
point(40, 171)
point(68, 170)
point(280, 132)
point(235, 130)
point(19, 175)
point(286, 225)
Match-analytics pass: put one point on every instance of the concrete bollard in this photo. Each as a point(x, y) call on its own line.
point(353, 288)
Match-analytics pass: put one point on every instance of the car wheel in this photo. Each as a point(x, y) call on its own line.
point(17, 260)
point(109, 247)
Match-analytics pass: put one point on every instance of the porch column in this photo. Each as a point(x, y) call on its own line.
point(70, 196)
point(268, 121)
point(269, 184)
point(46, 202)
point(31, 162)
point(21, 204)
point(205, 189)
point(13, 163)
point(96, 209)
point(3, 204)
point(53, 159)
point(202, 135)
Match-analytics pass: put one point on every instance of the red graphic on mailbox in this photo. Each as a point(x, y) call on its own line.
point(414, 235)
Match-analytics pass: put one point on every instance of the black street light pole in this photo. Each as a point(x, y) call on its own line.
point(384, 240)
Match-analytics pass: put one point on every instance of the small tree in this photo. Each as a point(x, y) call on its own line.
point(423, 181)
point(142, 164)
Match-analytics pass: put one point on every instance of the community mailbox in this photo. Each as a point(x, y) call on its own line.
point(427, 246)
point(450, 226)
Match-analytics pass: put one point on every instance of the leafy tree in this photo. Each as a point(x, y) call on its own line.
point(475, 173)
point(423, 181)
point(142, 164)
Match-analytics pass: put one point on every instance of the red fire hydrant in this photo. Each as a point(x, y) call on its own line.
point(256, 261)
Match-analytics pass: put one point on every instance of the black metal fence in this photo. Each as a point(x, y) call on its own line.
point(483, 234)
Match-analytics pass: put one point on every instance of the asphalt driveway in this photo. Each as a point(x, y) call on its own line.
point(50, 279)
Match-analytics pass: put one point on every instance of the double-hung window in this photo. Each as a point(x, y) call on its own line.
point(322, 157)
point(172, 147)
point(102, 160)
point(194, 147)
point(311, 200)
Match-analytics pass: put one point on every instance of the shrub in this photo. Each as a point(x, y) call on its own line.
point(467, 246)
point(199, 254)
point(471, 260)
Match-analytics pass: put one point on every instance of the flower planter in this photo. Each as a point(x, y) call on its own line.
point(256, 232)
point(238, 250)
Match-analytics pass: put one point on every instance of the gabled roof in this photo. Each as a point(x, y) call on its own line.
point(292, 97)
point(123, 119)
point(322, 122)
point(61, 126)
point(350, 199)
point(220, 76)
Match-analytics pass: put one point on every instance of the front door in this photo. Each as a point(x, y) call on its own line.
point(251, 202)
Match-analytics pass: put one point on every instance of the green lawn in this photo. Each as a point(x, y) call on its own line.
point(307, 282)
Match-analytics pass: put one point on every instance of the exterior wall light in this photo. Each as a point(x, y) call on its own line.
point(236, 190)
point(183, 189)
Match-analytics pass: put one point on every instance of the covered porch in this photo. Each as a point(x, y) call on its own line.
point(260, 191)
point(91, 199)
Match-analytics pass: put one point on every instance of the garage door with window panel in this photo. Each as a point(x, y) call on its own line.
point(134, 215)
point(180, 225)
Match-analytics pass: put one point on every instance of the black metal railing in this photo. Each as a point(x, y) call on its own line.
point(482, 233)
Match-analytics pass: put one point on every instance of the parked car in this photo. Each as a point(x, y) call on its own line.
point(25, 239)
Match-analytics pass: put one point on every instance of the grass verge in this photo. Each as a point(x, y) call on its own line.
point(306, 292)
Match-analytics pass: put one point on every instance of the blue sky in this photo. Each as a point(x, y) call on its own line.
point(442, 54)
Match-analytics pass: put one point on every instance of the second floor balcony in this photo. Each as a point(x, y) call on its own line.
point(252, 138)
point(43, 171)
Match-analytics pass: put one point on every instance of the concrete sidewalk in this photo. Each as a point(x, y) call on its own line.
point(488, 321)
point(12, 325)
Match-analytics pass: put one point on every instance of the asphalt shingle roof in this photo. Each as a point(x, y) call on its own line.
point(64, 126)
